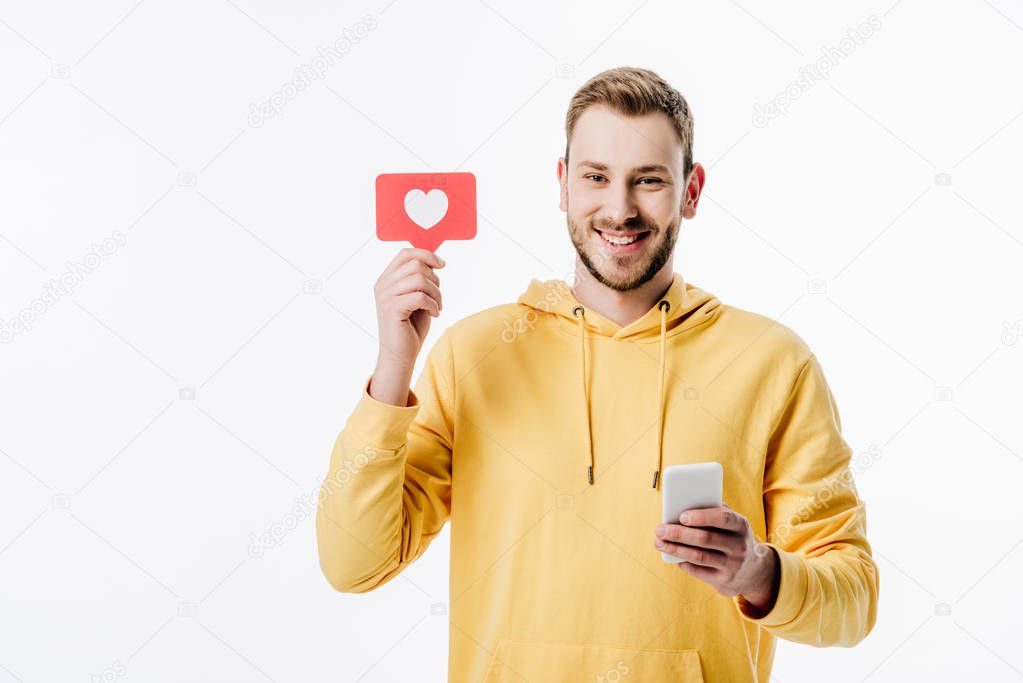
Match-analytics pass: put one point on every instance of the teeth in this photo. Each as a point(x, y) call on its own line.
point(619, 240)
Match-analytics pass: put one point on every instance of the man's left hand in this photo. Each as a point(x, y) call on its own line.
point(717, 546)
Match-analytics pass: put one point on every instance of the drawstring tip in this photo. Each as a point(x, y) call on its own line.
point(657, 475)
point(589, 474)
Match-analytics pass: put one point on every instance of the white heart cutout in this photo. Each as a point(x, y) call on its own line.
point(426, 209)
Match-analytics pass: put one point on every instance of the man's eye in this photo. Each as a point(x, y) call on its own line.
point(594, 175)
point(654, 180)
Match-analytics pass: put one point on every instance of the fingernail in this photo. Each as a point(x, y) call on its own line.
point(660, 545)
point(661, 529)
point(684, 518)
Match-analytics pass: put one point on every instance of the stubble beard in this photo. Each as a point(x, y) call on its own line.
point(636, 274)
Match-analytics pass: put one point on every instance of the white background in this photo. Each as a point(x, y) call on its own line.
point(128, 504)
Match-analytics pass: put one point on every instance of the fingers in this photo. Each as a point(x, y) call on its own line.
point(424, 255)
point(699, 556)
point(418, 282)
point(412, 267)
point(712, 545)
point(700, 537)
point(405, 262)
point(708, 537)
point(414, 301)
point(409, 283)
point(722, 517)
point(706, 574)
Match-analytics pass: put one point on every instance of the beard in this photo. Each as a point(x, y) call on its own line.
point(623, 272)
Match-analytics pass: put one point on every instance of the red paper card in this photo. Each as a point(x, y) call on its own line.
point(426, 208)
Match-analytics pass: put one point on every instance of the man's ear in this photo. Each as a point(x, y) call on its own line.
point(563, 182)
point(697, 180)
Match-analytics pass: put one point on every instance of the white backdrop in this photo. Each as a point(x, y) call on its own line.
point(187, 258)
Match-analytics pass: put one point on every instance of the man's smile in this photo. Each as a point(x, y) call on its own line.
point(622, 242)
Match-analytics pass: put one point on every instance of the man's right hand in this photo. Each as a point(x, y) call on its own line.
point(407, 296)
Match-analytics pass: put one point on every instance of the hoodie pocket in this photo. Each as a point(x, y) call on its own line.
point(532, 662)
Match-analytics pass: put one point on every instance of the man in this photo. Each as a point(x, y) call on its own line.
point(541, 429)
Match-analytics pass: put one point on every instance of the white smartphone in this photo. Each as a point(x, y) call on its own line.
point(684, 487)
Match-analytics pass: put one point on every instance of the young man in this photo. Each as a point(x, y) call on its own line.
point(540, 428)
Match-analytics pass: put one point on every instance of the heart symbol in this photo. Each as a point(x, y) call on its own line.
point(426, 209)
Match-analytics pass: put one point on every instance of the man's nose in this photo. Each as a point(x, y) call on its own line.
point(621, 205)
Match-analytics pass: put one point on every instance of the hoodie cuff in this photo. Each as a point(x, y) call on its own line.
point(791, 592)
point(382, 425)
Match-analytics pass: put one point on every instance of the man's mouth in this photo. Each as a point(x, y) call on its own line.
point(622, 239)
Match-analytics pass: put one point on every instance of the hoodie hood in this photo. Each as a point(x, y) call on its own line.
point(682, 306)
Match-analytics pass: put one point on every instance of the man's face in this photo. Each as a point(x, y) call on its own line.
point(623, 194)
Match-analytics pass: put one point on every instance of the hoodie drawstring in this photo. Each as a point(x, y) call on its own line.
point(578, 311)
point(664, 306)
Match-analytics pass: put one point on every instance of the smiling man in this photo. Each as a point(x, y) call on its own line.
point(540, 429)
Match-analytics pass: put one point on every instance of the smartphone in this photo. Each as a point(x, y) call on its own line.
point(684, 487)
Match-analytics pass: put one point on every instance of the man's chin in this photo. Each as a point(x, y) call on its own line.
point(621, 278)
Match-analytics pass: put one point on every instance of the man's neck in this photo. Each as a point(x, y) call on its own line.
point(621, 307)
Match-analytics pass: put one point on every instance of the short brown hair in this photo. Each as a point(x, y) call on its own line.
point(633, 91)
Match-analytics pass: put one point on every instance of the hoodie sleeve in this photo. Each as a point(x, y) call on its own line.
point(387, 493)
point(816, 523)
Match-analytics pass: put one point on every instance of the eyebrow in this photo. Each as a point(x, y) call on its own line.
point(648, 168)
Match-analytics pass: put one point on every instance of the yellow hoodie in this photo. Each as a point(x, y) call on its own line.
point(538, 428)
